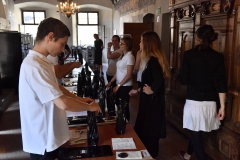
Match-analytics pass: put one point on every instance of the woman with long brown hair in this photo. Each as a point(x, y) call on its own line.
point(150, 124)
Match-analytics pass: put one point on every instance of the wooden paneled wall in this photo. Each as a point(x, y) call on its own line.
point(224, 16)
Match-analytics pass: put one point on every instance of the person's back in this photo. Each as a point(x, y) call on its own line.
point(203, 72)
point(203, 68)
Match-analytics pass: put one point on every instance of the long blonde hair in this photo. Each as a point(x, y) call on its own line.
point(152, 46)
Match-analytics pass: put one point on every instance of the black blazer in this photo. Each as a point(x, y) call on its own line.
point(203, 72)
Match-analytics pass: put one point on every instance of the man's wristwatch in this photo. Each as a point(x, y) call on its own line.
point(119, 85)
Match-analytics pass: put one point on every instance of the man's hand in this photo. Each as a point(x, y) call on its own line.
point(87, 100)
point(95, 107)
point(109, 44)
point(76, 64)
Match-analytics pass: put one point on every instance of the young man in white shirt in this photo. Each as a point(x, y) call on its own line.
point(42, 101)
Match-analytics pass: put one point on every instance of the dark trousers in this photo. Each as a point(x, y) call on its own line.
point(111, 111)
point(196, 144)
point(152, 144)
point(123, 93)
point(47, 155)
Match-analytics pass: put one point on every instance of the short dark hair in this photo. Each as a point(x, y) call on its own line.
point(207, 35)
point(129, 43)
point(96, 35)
point(59, 29)
point(116, 36)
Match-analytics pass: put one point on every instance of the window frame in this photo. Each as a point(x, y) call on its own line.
point(88, 18)
point(34, 23)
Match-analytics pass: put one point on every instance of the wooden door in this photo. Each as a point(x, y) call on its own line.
point(136, 30)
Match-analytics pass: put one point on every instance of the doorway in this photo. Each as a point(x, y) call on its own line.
point(165, 37)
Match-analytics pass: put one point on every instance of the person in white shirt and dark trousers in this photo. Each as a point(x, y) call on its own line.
point(42, 100)
point(123, 75)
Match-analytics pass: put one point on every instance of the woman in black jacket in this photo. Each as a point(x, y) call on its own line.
point(150, 123)
point(203, 72)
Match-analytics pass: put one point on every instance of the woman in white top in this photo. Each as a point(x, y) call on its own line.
point(123, 75)
point(113, 56)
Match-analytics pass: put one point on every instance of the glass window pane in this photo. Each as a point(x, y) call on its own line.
point(31, 29)
point(93, 18)
point(39, 16)
point(82, 18)
point(28, 17)
point(85, 35)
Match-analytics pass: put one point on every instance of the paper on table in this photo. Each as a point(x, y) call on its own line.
point(131, 155)
point(72, 114)
point(145, 153)
point(77, 134)
point(123, 143)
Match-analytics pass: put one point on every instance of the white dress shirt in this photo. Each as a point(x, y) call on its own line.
point(44, 125)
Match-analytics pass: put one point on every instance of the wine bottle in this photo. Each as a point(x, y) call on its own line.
point(102, 98)
point(79, 86)
point(92, 130)
point(121, 119)
point(110, 102)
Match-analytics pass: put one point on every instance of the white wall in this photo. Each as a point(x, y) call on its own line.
point(164, 9)
point(104, 3)
point(118, 25)
point(104, 7)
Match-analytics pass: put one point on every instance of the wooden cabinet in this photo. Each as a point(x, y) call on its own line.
point(224, 16)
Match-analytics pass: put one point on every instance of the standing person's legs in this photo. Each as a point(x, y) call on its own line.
point(188, 154)
point(152, 145)
point(123, 93)
point(47, 155)
point(196, 139)
point(190, 147)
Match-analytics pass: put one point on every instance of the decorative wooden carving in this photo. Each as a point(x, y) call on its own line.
point(186, 12)
point(170, 3)
point(179, 13)
point(224, 6)
point(227, 5)
point(237, 56)
point(205, 7)
point(228, 144)
point(215, 6)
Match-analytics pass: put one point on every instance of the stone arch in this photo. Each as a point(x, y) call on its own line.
point(148, 18)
